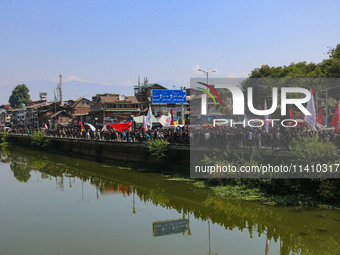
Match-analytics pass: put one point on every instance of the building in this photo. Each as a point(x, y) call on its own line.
point(32, 113)
point(19, 116)
point(144, 94)
point(113, 108)
point(80, 109)
point(43, 96)
point(61, 119)
point(47, 114)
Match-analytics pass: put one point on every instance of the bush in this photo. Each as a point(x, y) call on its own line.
point(310, 150)
point(4, 137)
point(309, 191)
point(157, 148)
point(39, 140)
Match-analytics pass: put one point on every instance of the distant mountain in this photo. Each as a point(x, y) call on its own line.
point(71, 90)
point(171, 84)
point(74, 89)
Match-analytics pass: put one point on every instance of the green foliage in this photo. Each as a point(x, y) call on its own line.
point(4, 137)
point(238, 191)
point(328, 68)
point(19, 95)
point(300, 192)
point(334, 52)
point(157, 148)
point(310, 150)
point(39, 140)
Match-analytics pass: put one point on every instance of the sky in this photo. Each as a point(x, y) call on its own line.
point(113, 42)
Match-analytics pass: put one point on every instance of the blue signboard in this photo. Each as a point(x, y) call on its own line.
point(162, 228)
point(164, 96)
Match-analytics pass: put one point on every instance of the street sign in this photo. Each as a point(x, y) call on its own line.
point(168, 227)
point(164, 96)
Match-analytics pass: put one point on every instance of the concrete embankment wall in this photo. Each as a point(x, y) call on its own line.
point(177, 155)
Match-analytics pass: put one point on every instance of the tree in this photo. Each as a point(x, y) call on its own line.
point(19, 95)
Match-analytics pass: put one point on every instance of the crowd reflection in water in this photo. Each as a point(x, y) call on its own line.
point(297, 231)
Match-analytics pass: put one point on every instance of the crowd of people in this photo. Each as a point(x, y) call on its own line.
point(276, 137)
point(203, 136)
point(175, 135)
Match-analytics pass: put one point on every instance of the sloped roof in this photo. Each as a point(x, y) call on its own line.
point(79, 100)
point(60, 112)
point(153, 84)
point(115, 99)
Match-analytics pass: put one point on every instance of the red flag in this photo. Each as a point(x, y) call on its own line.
point(336, 118)
point(321, 119)
point(291, 113)
point(120, 127)
point(81, 124)
point(172, 117)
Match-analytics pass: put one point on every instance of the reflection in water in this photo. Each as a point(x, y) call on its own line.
point(295, 231)
point(170, 227)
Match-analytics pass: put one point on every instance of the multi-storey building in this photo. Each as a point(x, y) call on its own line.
point(113, 108)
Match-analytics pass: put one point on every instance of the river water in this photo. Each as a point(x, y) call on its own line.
point(52, 204)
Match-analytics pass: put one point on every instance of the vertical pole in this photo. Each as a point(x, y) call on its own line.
point(61, 89)
point(327, 107)
point(55, 117)
point(209, 237)
point(103, 116)
point(182, 113)
point(134, 203)
point(37, 119)
point(267, 246)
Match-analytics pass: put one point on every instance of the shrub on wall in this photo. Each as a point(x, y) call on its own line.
point(39, 140)
point(157, 148)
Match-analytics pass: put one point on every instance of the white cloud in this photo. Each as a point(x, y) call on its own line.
point(128, 83)
point(238, 75)
point(195, 69)
point(75, 78)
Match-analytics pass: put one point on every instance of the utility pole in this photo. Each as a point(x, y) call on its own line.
point(61, 89)
point(327, 106)
point(103, 115)
point(207, 74)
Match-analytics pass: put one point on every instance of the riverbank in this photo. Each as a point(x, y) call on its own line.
point(176, 166)
point(177, 156)
point(256, 194)
point(69, 189)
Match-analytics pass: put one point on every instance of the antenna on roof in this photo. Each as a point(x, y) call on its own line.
point(60, 89)
point(146, 81)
